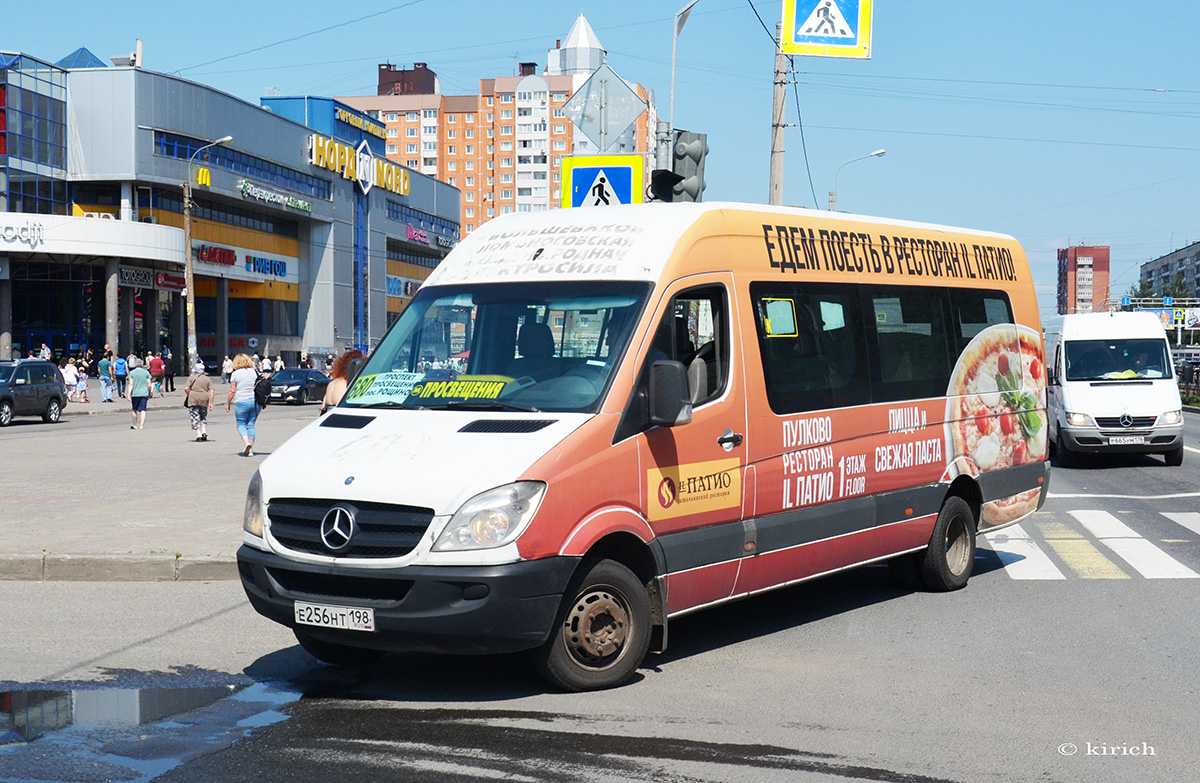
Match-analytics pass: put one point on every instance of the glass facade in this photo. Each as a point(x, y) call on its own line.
point(33, 136)
point(173, 145)
point(415, 217)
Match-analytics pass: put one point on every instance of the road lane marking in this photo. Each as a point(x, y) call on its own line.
point(1022, 558)
point(1189, 448)
point(1150, 561)
point(1188, 519)
point(1079, 554)
point(1182, 495)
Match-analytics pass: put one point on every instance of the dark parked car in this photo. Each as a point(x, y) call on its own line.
point(298, 386)
point(31, 387)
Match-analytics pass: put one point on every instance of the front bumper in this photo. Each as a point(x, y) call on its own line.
point(1093, 440)
point(448, 609)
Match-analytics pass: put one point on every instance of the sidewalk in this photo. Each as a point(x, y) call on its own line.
point(91, 499)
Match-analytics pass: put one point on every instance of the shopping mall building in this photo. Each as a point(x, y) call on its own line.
point(304, 237)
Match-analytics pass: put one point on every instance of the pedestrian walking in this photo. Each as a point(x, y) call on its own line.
point(70, 374)
point(157, 368)
point(226, 369)
point(199, 396)
point(139, 393)
point(104, 368)
point(120, 374)
point(279, 365)
point(339, 373)
point(44, 353)
point(169, 372)
point(82, 387)
point(241, 400)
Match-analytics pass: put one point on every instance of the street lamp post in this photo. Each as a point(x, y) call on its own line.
point(189, 290)
point(833, 193)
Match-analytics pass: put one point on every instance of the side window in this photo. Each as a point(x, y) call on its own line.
point(25, 374)
point(695, 332)
point(812, 344)
point(914, 350)
point(44, 374)
point(974, 310)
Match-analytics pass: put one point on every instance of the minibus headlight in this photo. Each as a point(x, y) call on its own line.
point(493, 518)
point(252, 521)
point(1171, 417)
point(1079, 420)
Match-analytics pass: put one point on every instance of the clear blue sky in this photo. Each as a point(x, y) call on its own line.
point(1057, 122)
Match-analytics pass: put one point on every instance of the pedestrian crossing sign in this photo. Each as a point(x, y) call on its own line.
point(602, 180)
point(827, 28)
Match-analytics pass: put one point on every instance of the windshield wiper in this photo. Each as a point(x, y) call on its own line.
point(489, 405)
point(394, 404)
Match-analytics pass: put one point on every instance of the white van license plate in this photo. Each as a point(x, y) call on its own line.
point(1127, 440)
point(350, 618)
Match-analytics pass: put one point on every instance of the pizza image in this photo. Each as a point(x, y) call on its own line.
point(996, 412)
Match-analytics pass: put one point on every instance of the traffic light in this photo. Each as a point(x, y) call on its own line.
point(662, 184)
point(687, 159)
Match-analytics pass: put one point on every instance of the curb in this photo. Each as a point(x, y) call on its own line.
point(116, 568)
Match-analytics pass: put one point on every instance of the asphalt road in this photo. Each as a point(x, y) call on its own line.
point(1082, 668)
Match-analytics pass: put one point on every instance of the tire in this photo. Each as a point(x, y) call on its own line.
point(303, 398)
point(946, 563)
point(337, 654)
point(602, 630)
point(906, 570)
point(6, 413)
point(1066, 457)
point(1174, 458)
point(53, 411)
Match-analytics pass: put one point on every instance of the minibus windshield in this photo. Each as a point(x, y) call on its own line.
point(1120, 359)
point(530, 346)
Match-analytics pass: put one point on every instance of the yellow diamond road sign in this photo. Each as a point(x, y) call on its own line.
point(827, 28)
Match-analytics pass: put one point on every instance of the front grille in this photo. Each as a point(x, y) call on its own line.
point(1114, 422)
point(339, 586)
point(382, 529)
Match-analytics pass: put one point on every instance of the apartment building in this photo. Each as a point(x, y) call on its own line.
point(1083, 279)
point(503, 147)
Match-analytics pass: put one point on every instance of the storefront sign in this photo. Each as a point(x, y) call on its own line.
point(34, 234)
point(169, 282)
point(215, 254)
point(266, 266)
point(250, 190)
point(402, 286)
point(360, 122)
point(446, 242)
point(135, 277)
point(357, 165)
point(418, 235)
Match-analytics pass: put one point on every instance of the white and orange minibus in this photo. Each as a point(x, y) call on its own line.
point(591, 421)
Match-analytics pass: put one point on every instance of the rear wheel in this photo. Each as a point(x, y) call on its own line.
point(53, 411)
point(1174, 457)
point(337, 654)
point(6, 413)
point(948, 559)
point(602, 631)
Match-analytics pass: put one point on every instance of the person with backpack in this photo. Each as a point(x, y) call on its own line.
point(243, 400)
point(120, 374)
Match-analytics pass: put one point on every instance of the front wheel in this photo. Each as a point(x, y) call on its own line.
point(53, 411)
point(950, 555)
point(1174, 457)
point(337, 654)
point(303, 398)
point(6, 413)
point(602, 631)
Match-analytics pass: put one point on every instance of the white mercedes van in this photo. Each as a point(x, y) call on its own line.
point(1112, 387)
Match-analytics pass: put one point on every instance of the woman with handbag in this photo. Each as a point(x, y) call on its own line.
point(198, 398)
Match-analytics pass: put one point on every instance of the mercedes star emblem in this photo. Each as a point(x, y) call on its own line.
point(1126, 420)
point(337, 528)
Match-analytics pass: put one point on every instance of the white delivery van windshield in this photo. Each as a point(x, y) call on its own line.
point(1094, 360)
point(536, 346)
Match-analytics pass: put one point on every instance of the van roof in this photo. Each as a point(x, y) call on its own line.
point(1105, 326)
point(624, 242)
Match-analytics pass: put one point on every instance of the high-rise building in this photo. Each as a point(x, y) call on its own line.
point(1164, 269)
point(1083, 279)
point(503, 148)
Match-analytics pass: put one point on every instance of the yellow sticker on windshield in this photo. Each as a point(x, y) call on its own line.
point(465, 387)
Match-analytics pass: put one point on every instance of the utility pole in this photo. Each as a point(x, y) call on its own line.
point(189, 281)
point(777, 125)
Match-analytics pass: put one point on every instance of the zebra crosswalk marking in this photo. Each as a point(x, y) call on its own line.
point(1188, 519)
point(1022, 558)
point(1079, 554)
point(1150, 561)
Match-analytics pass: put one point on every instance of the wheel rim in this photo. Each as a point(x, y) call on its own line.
point(958, 545)
point(5, 414)
point(53, 410)
point(597, 627)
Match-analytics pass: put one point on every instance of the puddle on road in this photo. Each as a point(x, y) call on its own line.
point(128, 734)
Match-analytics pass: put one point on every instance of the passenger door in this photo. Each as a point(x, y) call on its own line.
point(25, 392)
point(692, 473)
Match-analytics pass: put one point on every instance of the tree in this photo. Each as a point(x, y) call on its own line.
point(1177, 287)
point(1139, 290)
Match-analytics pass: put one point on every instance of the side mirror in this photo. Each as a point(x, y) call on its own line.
point(20, 381)
point(353, 370)
point(670, 400)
